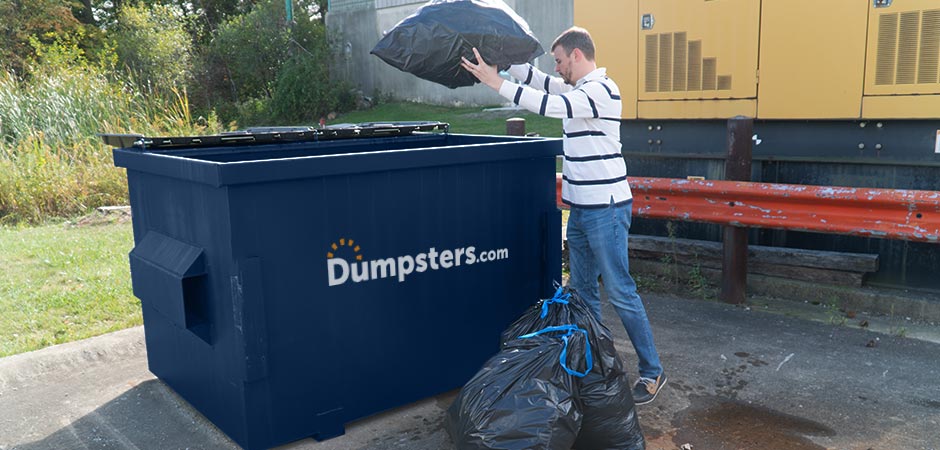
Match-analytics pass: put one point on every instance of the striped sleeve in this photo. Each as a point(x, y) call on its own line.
point(530, 76)
point(591, 100)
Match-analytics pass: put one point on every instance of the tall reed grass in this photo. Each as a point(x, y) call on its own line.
point(52, 164)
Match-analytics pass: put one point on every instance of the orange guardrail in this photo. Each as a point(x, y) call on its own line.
point(882, 213)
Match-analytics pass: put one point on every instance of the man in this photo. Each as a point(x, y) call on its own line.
point(594, 182)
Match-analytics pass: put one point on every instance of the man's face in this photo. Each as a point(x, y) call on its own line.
point(563, 64)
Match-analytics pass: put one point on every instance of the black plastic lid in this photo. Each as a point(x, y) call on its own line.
point(269, 135)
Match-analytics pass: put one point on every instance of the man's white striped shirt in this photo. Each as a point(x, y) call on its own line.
point(594, 172)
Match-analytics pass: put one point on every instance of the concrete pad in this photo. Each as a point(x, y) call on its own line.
point(739, 377)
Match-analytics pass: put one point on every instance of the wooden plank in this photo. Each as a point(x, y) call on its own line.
point(917, 305)
point(812, 274)
point(819, 259)
point(825, 276)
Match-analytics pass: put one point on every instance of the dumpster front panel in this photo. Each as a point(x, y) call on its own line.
point(389, 287)
point(334, 288)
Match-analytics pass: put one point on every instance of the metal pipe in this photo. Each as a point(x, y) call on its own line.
point(515, 126)
point(734, 237)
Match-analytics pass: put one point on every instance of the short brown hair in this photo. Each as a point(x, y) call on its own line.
point(576, 38)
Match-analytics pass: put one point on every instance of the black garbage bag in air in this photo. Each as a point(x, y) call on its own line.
point(604, 394)
point(524, 397)
point(430, 42)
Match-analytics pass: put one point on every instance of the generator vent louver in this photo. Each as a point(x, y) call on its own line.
point(676, 64)
point(908, 48)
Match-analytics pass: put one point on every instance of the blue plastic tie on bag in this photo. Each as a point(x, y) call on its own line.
point(570, 330)
point(558, 298)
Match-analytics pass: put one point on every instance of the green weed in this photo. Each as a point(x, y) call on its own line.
point(698, 285)
point(896, 328)
point(673, 259)
point(834, 313)
point(52, 164)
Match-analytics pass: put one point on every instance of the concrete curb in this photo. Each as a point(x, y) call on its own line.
point(106, 348)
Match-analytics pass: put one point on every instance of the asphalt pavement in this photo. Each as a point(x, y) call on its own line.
point(739, 378)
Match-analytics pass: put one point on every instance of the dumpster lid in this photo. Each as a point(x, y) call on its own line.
point(268, 135)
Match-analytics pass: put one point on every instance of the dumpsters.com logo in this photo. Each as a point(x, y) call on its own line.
point(344, 262)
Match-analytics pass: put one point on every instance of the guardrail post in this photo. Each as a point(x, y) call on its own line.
point(734, 242)
point(515, 126)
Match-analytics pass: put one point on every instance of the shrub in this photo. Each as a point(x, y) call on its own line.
point(272, 71)
point(304, 92)
point(252, 48)
point(152, 43)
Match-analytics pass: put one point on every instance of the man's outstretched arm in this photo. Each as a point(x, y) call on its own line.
point(590, 100)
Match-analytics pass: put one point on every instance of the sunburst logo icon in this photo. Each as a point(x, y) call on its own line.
point(343, 242)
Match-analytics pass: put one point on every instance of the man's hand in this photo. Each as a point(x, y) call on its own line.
point(484, 72)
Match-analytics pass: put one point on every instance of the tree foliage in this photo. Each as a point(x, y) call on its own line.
point(252, 47)
point(304, 91)
point(240, 58)
point(272, 69)
point(154, 46)
point(23, 21)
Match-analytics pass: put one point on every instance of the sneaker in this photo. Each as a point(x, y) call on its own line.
point(645, 390)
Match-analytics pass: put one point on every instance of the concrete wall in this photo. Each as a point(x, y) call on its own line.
point(354, 31)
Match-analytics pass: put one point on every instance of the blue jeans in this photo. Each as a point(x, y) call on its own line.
point(597, 245)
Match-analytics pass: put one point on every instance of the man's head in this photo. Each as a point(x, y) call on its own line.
point(573, 51)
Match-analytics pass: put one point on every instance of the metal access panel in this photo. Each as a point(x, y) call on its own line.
point(698, 49)
point(614, 25)
point(902, 78)
point(903, 48)
point(811, 66)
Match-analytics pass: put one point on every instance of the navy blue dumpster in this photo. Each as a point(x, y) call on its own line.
point(292, 282)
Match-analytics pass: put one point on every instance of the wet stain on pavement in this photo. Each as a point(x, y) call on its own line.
point(752, 361)
point(652, 433)
point(933, 404)
point(729, 425)
point(682, 387)
point(731, 383)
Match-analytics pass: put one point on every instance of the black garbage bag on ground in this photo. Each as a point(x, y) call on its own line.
point(566, 307)
point(524, 397)
point(604, 394)
point(610, 421)
point(430, 42)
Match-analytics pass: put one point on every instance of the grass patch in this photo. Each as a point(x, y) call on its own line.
point(64, 282)
point(464, 120)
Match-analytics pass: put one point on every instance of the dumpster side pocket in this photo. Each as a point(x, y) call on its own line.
point(551, 251)
point(170, 276)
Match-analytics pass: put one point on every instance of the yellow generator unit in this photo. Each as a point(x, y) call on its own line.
point(832, 60)
point(843, 93)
